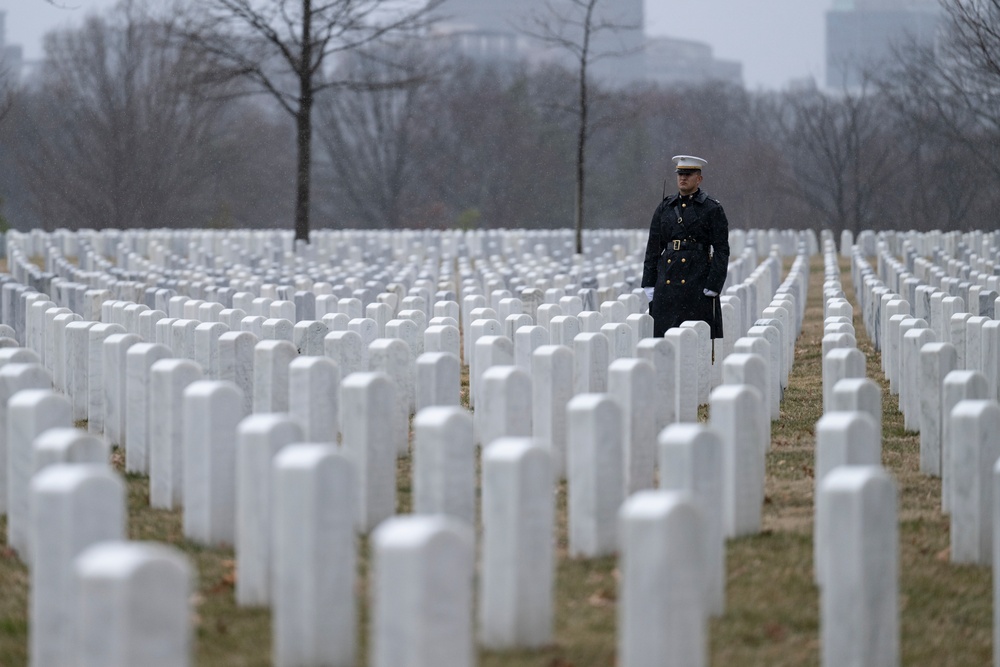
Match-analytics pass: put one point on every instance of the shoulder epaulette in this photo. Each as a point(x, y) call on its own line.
point(710, 198)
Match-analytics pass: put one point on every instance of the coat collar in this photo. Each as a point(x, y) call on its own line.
point(699, 196)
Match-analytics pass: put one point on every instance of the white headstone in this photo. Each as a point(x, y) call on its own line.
point(421, 593)
point(258, 439)
point(842, 439)
point(115, 376)
point(975, 426)
point(393, 357)
point(595, 474)
point(168, 378)
point(661, 353)
point(958, 385)
point(314, 397)
point(737, 414)
point(505, 406)
point(369, 439)
point(936, 361)
point(685, 343)
point(212, 411)
point(133, 606)
point(629, 381)
point(30, 412)
point(662, 612)
point(271, 359)
point(315, 555)
point(859, 606)
point(236, 355)
point(691, 461)
point(72, 507)
point(444, 463)
point(438, 380)
point(517, 571)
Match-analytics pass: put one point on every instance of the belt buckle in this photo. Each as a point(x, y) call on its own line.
point(677, 244)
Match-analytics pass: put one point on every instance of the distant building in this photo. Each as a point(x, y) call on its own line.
point(861, 35)
point(497, 30)
point(676, 61)
point(11, 56)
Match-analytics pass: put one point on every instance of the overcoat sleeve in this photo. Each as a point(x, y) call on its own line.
point(654, 248)
point(720, 251)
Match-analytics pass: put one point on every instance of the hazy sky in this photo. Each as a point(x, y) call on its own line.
point(776, 40)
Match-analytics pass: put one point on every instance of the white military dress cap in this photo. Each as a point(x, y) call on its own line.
point(689, 162)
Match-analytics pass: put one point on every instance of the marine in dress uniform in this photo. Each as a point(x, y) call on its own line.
point(687, 254)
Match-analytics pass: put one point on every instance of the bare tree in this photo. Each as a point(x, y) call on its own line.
point(367, 134)
point(841, 155)
point(494, 154)
point(286, 48)
point(114, 123)
point(947, 97)
point(573, 26)
point(975, 39)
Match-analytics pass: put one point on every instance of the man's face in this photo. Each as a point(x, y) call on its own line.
point(688, 182)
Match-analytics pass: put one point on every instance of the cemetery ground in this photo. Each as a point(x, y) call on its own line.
point(772, 608)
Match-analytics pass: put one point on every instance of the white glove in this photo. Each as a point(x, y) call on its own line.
point(649, 292)
point(710, 293)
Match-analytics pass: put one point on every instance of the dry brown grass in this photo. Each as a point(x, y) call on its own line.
point(772, 613)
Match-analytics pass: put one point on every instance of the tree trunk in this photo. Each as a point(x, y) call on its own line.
point(303, 127)
point(581, 146)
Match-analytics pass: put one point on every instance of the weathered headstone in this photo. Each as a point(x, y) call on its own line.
point(936, 361)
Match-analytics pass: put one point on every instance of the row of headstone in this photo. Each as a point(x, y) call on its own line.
point(951, 401)
point(945, 365)
point(711, 478)
point(855, 534)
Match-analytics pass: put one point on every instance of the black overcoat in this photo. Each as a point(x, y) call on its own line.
point(687, 252)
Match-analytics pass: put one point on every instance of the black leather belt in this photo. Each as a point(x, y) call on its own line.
point(679, 244)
